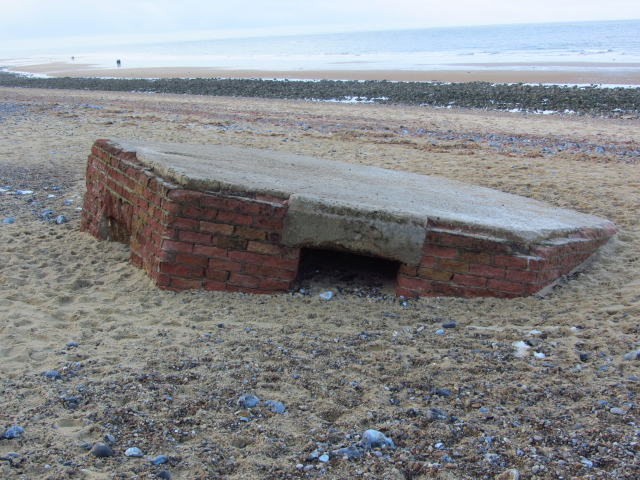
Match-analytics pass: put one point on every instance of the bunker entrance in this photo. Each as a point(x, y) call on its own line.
point(327, 270)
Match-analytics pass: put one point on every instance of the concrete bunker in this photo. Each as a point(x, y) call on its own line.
point(242, 220)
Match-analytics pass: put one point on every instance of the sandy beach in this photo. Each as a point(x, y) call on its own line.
point(466, 389)
point(569, 73)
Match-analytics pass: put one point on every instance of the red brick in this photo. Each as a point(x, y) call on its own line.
point(254, 208)
point(546, 251)
point(475, 257)
point(185, 283)
point(452, 265)
point(538, 264)
point(486, 270)
point(406, 293)
point(431, 274)
point(250, 233)
point(191, 260)
point(185, 196)
point(437, 251)
point(226, 265)
point(268, 223)
point(235, 218)
point(223, 203)
point(183, 223)
point(230, 243)
point(505, 286)
point(177, 246)
point(160, 278)
point(285, 263)
point(216, 228)
point(211, 286)
point(172, 269)
point(212, 252)
point(217, 275)
point(511, 262)
point(271, 199)
point(490, 246)
point(457, 240)
point(274, 285)
point(408, 270)
point(521, 276)
point(432, 236)
point(260, 270)
point(243, 280)
point(411, 283)
point(447, 290)
point(469, 280)
point(427, 261)
point(245, 257)
point(194, 237)
point(287, 275)
point(265, 248)
point(535, 287)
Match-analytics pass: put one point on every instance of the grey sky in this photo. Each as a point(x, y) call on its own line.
point(27, 22)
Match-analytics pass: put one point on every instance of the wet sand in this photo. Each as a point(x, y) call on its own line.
point(559, 74)
point(163, 371)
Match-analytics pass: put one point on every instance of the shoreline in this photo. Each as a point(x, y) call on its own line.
point(570, 73)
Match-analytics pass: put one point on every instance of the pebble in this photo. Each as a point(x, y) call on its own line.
point(443, 392)
point(277, 407)
point(584, 357)
point(72, 344)
point(13, 432)
point(440, 332)
point(326, 295)
point(102, 450)
point(61, 219)
point(587, 463)
point(109, 438)
point(449, 325)
point(634, 355)
point(374, 439)
point(8, 220)
point(133, 452)
point(159, 460)
point(509, 475)
point(52, 374)
point(323, 458)
point(617, 411)
point(350, 452)
point(164, 474)
point(248, 401)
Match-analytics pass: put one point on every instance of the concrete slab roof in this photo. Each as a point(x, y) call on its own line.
point(359, 191)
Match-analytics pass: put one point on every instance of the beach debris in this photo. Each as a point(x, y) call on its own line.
point(634, 355)
point(159, 460)
point(326, 295)
point(8, 220)
point(133, 452)
point(13, 432)
point(101, 450)
point(539, 355)
point(248, 401)
point(374, 439)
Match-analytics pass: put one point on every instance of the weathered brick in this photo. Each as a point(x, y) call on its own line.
point(235, 218)
point(212, 252)
point(469, 280)
point(431, 274)
point(250, 233)
point(409, 270)
point(174, 246)
point(521, 276)
point(410, 283)
point(486, 270)
point(244, 280)
point(510, 261)
point(285, 263)
point(457, 240)
point(183, 223)
point(505, 286)
point(272, 284)
point(287, 275)
point(452, 265)
point(216, 228)
point(194, 237)
point(172, 269)
point(191, 260)
point(260, 270)
point(245, 257)
point(185, 196)
point(254, 208)
point(268, 223)
point(475, 257)
point(227, 265)
point(446, 289)
point(438, 251)
point(212, 286)
point(230, 243)
point(216, 275)
point(183, 283)
point(265, 248)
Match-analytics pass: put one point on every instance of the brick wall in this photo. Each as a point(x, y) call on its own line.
point(185, 239)
point(222, 241)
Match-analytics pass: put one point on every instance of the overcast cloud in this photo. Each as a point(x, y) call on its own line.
point(27, 22)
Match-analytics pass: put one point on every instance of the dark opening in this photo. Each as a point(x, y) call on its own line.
point(324, 270)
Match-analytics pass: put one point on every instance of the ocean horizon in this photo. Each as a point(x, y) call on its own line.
point(564, 46)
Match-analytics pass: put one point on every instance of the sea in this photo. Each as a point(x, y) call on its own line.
point(573, 45)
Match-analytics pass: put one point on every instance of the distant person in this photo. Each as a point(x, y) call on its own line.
point(118, 62)
point(73, 58)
